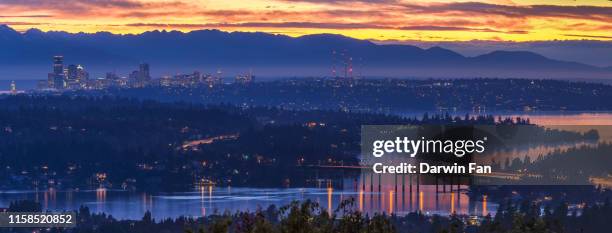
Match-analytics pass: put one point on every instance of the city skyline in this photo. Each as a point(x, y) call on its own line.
point(276, 56)
point(389, 20)
point(76, 77)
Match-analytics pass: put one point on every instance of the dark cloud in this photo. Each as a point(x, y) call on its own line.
point(77, 7)
point(579, 12)
point(264, 25)
point(53, 4)
point(254, 14)
point(13, 23)
point(343, 1)
point(589, 36)
point(322, 26)
point(444, 28)
point(25, 16)
point(450, 28)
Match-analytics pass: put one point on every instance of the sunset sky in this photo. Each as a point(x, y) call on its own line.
point(401, 20)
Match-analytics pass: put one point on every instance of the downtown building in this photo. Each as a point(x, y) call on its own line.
point(71, 77)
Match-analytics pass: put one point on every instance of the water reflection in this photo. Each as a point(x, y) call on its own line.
point(534, 151)
point(530, 151)
point(209, 200)
point(566, 118)
point(540, 118)
point(484, 205)
point(330, 204)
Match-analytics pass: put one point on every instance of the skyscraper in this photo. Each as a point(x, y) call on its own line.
point(58, 65)
point(143, 69)
point(82, 75)
point(56, 79)
point(72, 81)
point(76, 76)
point(72, 72)
point(141, 77)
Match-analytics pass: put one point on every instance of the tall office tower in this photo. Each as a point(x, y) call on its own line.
point(141, 77)
point(144, 74)
point(58, 65)
point(133, 79)
point(72, 72)
point(72, 81)
point(82, 75)
point(76, 76)
point(58, 82)
point(56, 79)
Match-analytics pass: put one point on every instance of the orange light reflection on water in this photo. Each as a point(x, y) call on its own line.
point(390, 202)
point(452, 203)
point(361, 200)
point(330, 191)
point(484, 205)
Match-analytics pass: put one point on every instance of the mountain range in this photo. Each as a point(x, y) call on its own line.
point(29, 55)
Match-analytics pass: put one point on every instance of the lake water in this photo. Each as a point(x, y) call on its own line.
point(566, 118)
point(207, 200)
point(578, 122)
